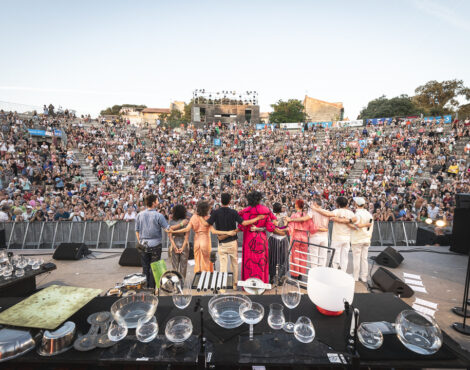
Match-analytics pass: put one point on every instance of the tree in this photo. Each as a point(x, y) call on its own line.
point(382, 107)
point(437, 98)
point(115, 109)
point(187, 112)
point(174, 119)
point(464, 111)
point(287, 111)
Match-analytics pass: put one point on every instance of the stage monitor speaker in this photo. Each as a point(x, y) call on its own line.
point(389, 282)
point(460, 231)
point(389, 257)
point(462, 200)
point(70, 251)
point(130, 257)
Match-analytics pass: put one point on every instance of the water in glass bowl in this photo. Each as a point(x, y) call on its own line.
point(251, 317)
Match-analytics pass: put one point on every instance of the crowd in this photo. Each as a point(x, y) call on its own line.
point(410, 170)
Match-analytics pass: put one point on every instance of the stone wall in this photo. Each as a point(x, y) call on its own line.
point(319, 110)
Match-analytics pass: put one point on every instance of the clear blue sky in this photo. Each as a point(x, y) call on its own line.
point(88, 55)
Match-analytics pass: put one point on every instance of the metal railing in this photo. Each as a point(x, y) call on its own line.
point(121, 234)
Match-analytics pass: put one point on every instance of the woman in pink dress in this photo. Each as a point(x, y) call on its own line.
point(255, 257)
point(299, 232)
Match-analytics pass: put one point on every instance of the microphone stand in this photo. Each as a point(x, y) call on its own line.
point(201, 356)
point(351, 337)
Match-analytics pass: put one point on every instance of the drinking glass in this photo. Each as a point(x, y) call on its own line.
point(22, 262)
point(303, 330)
point(147, 329)
point(291, 299)
point(116, 332)
point(3, 256)
point(370, 335)
point(251, 313)
point(19, 272)
point(276, 318)
point(36, 264)
point(8, 271)
point(183, 297)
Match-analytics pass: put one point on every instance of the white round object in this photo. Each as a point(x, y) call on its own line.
point(329, 288)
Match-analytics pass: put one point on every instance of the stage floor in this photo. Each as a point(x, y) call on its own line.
point(442, 275)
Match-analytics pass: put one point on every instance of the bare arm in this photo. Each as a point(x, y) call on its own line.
point(253, 220)
point(137, 236)
point(220, 232)
point(184, 230)
point(298, 219)
point(324, 212)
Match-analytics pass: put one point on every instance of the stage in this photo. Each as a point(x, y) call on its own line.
point(442, 275)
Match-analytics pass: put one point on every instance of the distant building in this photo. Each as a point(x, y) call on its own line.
point(133, 115)
point(320, 111)
point(264, 117)
point(151, 115)
point(177, 105)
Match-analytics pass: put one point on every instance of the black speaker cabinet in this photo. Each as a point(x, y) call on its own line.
point(70, 251)
point(130, 257)
point(460, 240)
point(462, 200)
point(389, 282)
point(389, 257)
point(3, 243)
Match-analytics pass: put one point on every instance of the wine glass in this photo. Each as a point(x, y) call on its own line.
point(303, 330)
point(116, 331)
point(8, 271)
point(251, 313)
point(291, 299)
point(178, 329)
point(370, 335)
point(3, 256)
point(147, 329)
point(183, 297)
point(276, 318)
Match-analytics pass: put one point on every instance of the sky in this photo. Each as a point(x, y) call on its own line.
point(88, 55)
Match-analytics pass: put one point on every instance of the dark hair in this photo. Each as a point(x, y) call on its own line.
point(299, 203)
point(225, 198)
point(179, 212)
point(254, 198)
point(277, 207)
point(318, 201)
point(150, 199)
point(341, 202)
point(202, 208)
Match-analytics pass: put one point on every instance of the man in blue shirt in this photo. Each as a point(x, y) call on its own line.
point(149, 226)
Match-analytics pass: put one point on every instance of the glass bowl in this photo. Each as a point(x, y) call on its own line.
point(179, 329)
point(224, 310)
point(419, 333)
point(128, 310)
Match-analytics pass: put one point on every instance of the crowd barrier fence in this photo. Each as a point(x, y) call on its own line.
point(121, 234)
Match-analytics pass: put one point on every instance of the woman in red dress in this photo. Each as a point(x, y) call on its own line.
point(255, 257)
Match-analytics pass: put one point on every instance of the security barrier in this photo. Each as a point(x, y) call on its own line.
point(121, 234)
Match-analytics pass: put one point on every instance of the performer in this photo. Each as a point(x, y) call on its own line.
point(179, 244)
point(255, 243)
point(360, 240)
point(202, 239)
point(299, 231)
point(278, 243)
point(148, 230)
point(226, 219)
point(341, 234)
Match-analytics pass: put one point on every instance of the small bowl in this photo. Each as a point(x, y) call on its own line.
point(224, 310)
point(58, 341)
point(128, 310)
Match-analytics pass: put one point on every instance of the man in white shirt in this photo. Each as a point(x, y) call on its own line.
point(341, 234)
point(360, 240)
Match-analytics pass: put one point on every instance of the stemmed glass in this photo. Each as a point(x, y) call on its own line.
point(291, 299)
point(303, 330)
point(147, 329)
point(183, 297)
point(251, 313)
point(276, 318)
point(8, 271)
point(3, 256)
point(21, 263)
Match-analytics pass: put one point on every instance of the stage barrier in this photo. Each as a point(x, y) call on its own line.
point(121, 234)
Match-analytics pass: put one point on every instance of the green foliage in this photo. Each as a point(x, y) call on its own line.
point(174, 119)
point(287, 111)
point(437, 98)
point(114, 110)
point(187, 112)
point(464, 111)
point(382, 107)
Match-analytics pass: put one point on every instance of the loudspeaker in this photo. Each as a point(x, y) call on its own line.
point(389, 257)
point(462, 200)
point(130, 257)
point(388, 282)
point(70, 251)
point(460, 231)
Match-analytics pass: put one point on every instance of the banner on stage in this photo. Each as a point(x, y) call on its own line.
point(265, 126)
point(322, 124)
point(355, 123)
point(291, 125)
point(447, 119)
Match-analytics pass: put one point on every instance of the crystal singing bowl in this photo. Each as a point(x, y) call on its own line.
point(329, 288)
point(224, 310)
point(419, 333)
point(127, 311)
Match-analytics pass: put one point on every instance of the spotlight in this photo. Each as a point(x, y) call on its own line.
point(428, 221)
point(441, 223)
